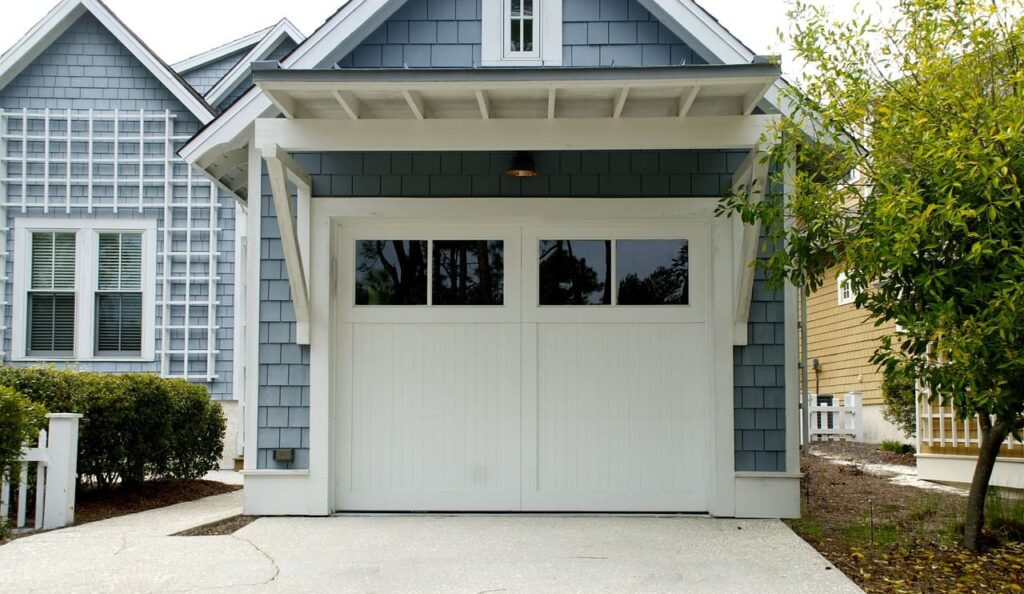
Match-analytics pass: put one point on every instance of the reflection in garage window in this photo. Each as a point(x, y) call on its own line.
point(653, 272)
point(575, 272)
point(391, 272)
point(469, 272)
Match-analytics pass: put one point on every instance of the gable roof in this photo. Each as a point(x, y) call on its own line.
point(61, 18)
point(222, 51)
point(355, 20)
point(283, 31)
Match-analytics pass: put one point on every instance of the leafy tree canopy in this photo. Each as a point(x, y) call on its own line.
point(906, 150)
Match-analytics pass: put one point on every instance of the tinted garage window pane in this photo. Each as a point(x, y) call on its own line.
point(391, 272)
point(469, 272)
point(575, 272)
point(653, 272)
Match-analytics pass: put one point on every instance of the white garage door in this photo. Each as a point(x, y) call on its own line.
point(523, 367)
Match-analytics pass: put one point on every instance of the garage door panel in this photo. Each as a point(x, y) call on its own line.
point(620, 416)
point(433, 412)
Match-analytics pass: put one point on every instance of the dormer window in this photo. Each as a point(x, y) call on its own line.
point(521, 33)
point(522, 29)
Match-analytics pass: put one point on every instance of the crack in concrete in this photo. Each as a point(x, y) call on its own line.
point(492, 591)
point(277, 569)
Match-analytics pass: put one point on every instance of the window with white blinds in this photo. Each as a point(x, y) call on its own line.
point(84, 289)
point(51, 295)
point(118, 312)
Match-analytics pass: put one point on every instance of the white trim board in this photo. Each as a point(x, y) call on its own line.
point(61, 18)
point(219, 52)
point(278, 34)
point(713, 132)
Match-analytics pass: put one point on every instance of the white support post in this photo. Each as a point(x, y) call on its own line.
point(62, 474)
point(855, 402)
point(41, 484)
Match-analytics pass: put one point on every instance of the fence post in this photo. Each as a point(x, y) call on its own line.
point(62, 476)
point(855, 403)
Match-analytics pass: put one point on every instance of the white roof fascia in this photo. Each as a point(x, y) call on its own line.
point(217, 53)
point(60, 19)
point(279, 33)
point(716, 44)
point(339, 35)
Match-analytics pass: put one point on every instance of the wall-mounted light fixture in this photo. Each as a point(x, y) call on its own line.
point(522, 166)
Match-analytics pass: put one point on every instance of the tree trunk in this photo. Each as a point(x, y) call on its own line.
point(992, 437)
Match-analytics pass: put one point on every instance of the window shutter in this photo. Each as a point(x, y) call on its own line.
point(53, 261)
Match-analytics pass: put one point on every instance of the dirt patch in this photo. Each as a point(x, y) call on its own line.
point(93, 505)
point(221, 528)
point(896, 538)
point(862, 452)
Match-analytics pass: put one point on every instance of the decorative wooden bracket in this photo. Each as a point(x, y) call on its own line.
point(751, 179)
point(294, 226)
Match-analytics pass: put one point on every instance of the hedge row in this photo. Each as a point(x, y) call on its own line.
point(134, 426)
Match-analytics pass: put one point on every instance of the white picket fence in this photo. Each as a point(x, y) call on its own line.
point(56, 459)
point(832, 422)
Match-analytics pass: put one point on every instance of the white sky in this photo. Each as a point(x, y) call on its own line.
point(178, 29)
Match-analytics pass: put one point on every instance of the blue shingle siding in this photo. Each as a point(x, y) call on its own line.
point(207, 76)
point(760, 381)
point(618, 33)
point(86, 68)
point(283, 413)
point(446, 34)
point(279, 53)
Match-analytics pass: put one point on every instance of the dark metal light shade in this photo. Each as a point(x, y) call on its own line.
point(522, 166)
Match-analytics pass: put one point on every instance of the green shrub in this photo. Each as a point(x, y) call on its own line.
point(900, 396)
point(20, 422)
point(897, 447)
point(134, 426)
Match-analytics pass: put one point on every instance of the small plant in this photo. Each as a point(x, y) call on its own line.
point(925, 509)
point(900, 396)
point(1004, 514)
point(896, 447)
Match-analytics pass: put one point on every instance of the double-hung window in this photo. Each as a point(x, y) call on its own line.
point(84, 289)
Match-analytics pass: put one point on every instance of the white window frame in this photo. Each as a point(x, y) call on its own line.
point(845, 294)
point(495, 44)
point(86, 282)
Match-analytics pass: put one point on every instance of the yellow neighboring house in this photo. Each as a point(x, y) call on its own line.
point(840, 341)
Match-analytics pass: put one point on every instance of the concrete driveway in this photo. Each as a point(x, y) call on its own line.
point(418, 553)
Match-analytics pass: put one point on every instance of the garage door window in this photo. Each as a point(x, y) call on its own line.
point(468, 272)
point(648, 272)
point(653, 272)
point(461, 272)
point(575, 272)
point(391, 272)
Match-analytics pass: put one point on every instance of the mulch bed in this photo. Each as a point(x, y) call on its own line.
point(93, 505)
point(863, 452)
point(221, 528)
point(893, 538)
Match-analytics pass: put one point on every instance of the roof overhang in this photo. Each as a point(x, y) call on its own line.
point(517, 93)
point(686, 107)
